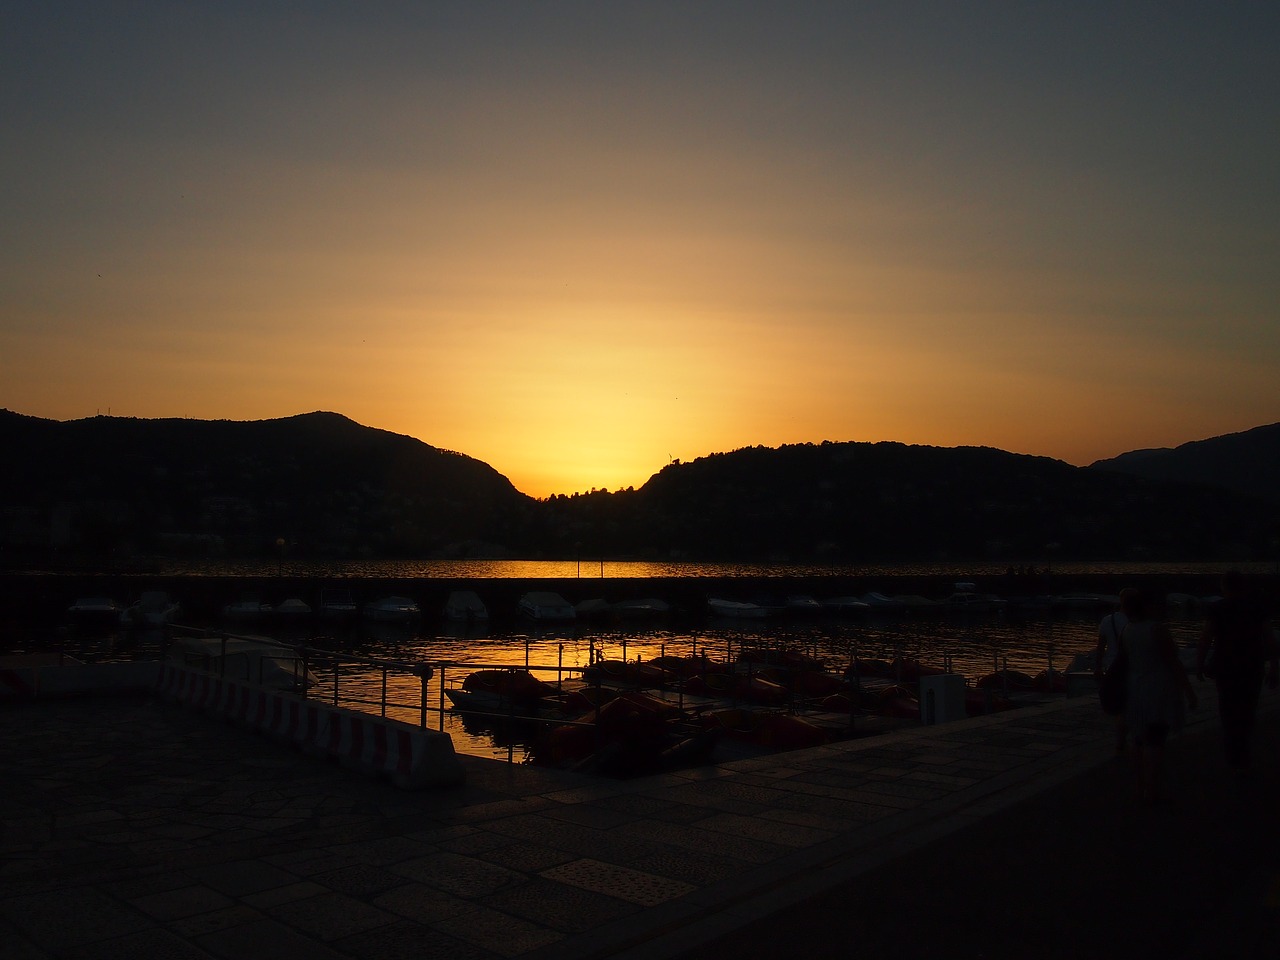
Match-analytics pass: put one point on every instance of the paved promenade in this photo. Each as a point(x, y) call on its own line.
point(137, 828)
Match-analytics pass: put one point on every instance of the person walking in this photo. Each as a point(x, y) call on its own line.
point(1157, 685)
point(1238, 649)
point(1104, 658)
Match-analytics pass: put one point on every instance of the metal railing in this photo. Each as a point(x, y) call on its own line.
point(403, 689)
point(310, 671)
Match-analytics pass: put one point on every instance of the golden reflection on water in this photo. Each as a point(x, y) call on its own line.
point(595, 568)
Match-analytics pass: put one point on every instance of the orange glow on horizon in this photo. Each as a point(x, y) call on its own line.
point(580, 248)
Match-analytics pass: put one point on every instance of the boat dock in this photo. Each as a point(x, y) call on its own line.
point(137, 827)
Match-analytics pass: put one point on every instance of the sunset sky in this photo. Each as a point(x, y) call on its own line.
point(578, 240)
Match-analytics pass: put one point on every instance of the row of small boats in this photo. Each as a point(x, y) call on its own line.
point(965, 599)
point(462, 606)
point(635, 716)
point(153, 609)
point(156, 608)
point(334, 605)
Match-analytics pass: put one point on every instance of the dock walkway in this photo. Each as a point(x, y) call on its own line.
point(134, 827)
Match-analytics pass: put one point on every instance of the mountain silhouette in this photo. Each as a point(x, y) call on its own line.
point(878, 501)
point(320, 485)
point(318, 479)
point(1246, 462)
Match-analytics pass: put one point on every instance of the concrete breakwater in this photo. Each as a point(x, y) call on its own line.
point(30, 600)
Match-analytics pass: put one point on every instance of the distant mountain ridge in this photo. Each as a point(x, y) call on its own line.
point(1247, 462)
point(320, 485)
point(899, 502)
point(318, 478)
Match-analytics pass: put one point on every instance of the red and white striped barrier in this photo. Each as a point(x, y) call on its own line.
point(410, 756)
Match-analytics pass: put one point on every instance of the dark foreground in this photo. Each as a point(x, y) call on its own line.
point(1080, 870)
point(135, 828)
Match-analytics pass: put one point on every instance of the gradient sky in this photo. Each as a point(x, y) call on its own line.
point(577, 240)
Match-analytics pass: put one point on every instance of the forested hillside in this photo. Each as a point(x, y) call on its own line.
point(320, 485)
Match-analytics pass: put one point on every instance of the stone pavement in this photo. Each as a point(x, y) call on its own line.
point(133, 827)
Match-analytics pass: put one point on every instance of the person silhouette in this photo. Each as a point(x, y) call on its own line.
point(1238, 649)
point(1104, 656)
point(1156, 688)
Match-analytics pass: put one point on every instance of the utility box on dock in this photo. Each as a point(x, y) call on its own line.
point(942, 698)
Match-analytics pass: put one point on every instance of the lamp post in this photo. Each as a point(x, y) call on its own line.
point(280, 556)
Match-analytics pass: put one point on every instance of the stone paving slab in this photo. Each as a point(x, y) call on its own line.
point(132, 825)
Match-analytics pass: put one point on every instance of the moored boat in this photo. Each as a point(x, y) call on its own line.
point(893, 701)
point(464, 606)
point(155, 608)
point(392, 610)
point(645, 607)
point(741, 609)
point(805, 684)
point(768, 728)
point(632, 733)
point(791, 658)
point(634, 673)
point(244, 611)
point(545, 605)
point(801, 603)
point(750, 688)
point(593, 609)
point(1009, 680)
point(845, 606)
point(964, 601)
point(879, 603)
point(94, 614)
point(337, 605)
point(500, 690)
point(913, 601)
point(292, 608)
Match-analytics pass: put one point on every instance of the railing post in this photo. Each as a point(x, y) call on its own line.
point(422, 714)
point(511, 709)
point(424, 673)
point(383, 705)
